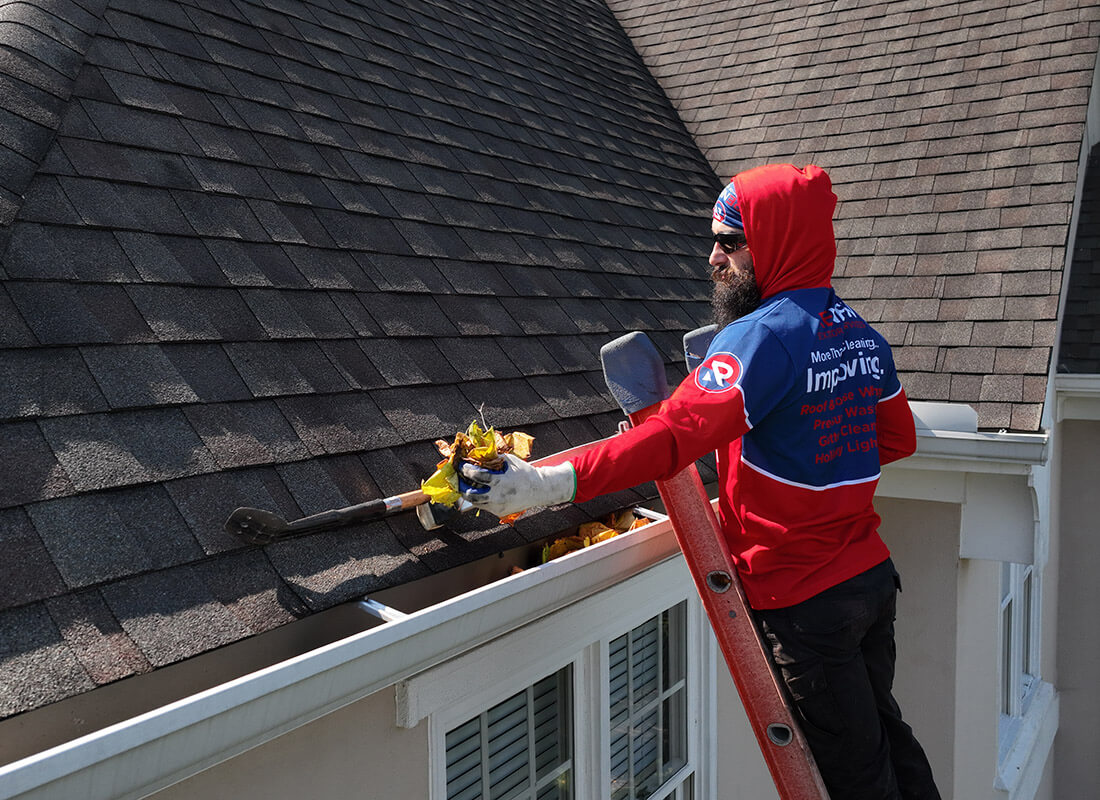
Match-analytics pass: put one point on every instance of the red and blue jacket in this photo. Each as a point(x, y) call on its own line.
point(800, 400)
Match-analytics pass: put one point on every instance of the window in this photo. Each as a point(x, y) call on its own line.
point(519, 749)
point(1019, 642)
point(610, 698)
point(648, 706)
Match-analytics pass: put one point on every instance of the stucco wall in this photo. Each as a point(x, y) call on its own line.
point(923, 538)
point(742, 772)
point(354, 752)
point(1076, 767)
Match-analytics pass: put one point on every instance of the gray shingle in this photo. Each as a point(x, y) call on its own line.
point(171, 615)
point(97, 538)
point(154, 259)
point(321, 484)
point(47, 382)
point(218, 216)
point(94, 637)
point(486, 316)
point(479, 358)
point(507, 404)
point(228, 177)
point(396, 273)
point(28, 573)
point(206, 501)
point(255, 264)
point(78, 313)
point(408, 315)
point(574, 395)
point(470, 278)
point(396, 472)
point(281, 368)
point(29, 470)
point(347, 356)
point(208, 372)
point(538, 318)
point(245, 434)
point(43, 201)
point(370, 558)
point(176, 314)
point(570, 352)
point(328, 269)
point(409, 361)
point(137, 375)
point(249, 588)
point(100, 451)
point(330, 424)
point(425, 412)
point(36, 667)
point(13, 330)
point(286, 314)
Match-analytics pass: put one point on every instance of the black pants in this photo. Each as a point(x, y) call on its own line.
point(836, 654)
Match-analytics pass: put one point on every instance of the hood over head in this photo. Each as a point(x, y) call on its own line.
point(788, 221)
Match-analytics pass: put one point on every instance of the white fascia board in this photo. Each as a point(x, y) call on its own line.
point(149, 752)
point(1077, 397)
point(938, 470)
point(992, 476)
point(957, 451)
point(948, 440)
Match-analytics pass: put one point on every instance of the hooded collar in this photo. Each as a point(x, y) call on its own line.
point(788, 215)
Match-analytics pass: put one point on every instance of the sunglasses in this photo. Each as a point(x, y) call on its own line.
point(731, 242)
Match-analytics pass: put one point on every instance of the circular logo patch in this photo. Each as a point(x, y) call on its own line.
point(719, 373)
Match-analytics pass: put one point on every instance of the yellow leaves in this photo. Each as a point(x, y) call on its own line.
point(485, 448)
point(442, 486)
point(591, 533)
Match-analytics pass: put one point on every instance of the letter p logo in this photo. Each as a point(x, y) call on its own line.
point(719, 373)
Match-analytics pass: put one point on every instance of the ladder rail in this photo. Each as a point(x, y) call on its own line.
point(635, 374)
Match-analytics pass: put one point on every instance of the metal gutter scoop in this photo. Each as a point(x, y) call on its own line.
point(257, 526)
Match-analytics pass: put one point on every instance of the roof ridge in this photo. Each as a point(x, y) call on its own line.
point(28, 29)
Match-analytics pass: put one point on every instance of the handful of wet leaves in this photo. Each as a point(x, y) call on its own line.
point(486, 448)
point(591, 533)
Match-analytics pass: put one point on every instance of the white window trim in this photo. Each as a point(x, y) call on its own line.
point(1021, 767)
point(1024, 733)
point(452, 692)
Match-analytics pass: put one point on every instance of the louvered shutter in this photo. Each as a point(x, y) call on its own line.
point(520, 749)
point(646, 669)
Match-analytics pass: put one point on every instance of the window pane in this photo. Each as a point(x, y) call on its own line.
point(1006, 658)
point(1026, 611)
point(674, 647)
point(520, 749)
point(687, 789)
point(648, 709)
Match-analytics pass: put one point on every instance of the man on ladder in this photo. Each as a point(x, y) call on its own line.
point(799, 397)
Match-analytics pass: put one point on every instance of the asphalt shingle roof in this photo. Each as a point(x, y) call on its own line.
point(264, 254)
point(1080, 344)
point(952, 133)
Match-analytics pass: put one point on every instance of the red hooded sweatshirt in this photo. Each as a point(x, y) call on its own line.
point(800, 400)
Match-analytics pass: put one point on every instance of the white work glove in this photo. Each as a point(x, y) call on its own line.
point(518, 486)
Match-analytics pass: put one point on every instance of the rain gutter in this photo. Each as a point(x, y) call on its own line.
point(153, 750)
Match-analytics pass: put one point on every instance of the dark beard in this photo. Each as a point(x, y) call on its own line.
point(733, 300)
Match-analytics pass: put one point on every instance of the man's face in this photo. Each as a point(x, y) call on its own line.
point(735, 290)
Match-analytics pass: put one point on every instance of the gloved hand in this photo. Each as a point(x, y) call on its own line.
point(518, 486)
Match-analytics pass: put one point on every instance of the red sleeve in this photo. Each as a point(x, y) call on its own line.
point(897, 434)
point(688, 425)
point(640, 454)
